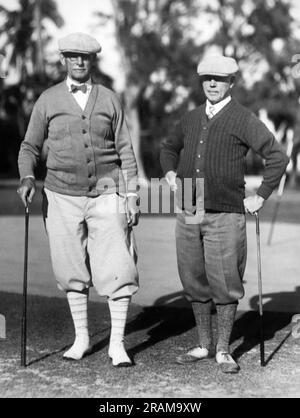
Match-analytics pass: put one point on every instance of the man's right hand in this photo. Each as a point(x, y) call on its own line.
point(171, 179)
point(26, 190)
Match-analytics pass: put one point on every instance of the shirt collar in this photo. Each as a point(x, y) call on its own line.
point(70, 81)
point(217, 106)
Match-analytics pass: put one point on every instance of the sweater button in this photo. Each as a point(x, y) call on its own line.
point(83, 131)
point(198, 171)
point(83, 117)
point(205, 127)
point(199, 156)
point(201, 142)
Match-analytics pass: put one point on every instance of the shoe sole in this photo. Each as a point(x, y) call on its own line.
point(230, 372)
point(233, 371)
point(123, 365)
point(190, 360)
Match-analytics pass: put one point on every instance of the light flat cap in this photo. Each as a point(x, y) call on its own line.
point(217, 65)
point(79, 42)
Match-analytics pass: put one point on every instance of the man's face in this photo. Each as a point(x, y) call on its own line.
point(78, 65)
point(216, 88)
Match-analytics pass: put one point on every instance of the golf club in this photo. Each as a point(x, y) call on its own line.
point(24, 313)
point(262, 347)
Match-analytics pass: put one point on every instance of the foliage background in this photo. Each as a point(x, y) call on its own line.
point(160, 43)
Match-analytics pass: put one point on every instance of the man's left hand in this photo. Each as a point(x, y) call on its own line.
point(253, 204)
point(133, 211)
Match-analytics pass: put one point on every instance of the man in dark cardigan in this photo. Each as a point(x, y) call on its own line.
point(204, 162)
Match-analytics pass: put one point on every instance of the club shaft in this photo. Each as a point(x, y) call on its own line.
point(262, 348)
point(24, 311)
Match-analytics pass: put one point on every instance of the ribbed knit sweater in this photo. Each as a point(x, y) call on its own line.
point(216, 150)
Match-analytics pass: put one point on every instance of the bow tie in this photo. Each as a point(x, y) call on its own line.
point(82, 87)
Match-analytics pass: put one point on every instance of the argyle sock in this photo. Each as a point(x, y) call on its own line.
point(78, 307)
point(226, 316)
point(118, 313)
point(202, 314)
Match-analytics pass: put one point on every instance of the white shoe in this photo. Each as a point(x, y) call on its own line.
point(118, 355)
point(79, 349)
point(226, 362)
point(195, 354)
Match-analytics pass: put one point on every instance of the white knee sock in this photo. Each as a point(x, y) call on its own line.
point(78, 307)
point(118, 313)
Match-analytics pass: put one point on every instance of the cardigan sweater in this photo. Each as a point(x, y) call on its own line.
point(216, 150)
point(89, 151)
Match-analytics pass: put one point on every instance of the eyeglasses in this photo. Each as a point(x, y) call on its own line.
point(73, 57)
point(224, 79)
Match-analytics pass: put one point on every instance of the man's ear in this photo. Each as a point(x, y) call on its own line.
point(62, 59)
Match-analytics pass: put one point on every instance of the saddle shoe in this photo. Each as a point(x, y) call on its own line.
point(193, 355)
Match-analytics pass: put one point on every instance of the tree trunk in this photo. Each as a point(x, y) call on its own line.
point(132, 112)
point(131, 94)
point(40, 64)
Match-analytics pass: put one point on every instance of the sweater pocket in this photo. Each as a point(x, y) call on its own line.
point(60, 145)
point(59, 136)
point(101, 131)
point(60, 154)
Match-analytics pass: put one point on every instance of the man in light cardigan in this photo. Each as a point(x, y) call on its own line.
point(90, 190)
point(204, 162)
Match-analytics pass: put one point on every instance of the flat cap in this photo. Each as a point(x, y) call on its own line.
point(217, 65)
point(79, 42)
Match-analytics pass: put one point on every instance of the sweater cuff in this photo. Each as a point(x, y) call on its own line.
point(132, 194)
point(132, 185)
point(264, 191)
point(167, 168)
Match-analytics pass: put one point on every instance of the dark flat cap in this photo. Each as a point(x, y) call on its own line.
point(79, 42)
point(217, 65)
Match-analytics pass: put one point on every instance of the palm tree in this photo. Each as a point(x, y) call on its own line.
point(150, 37)
point(25, 34)
point(25, 38)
